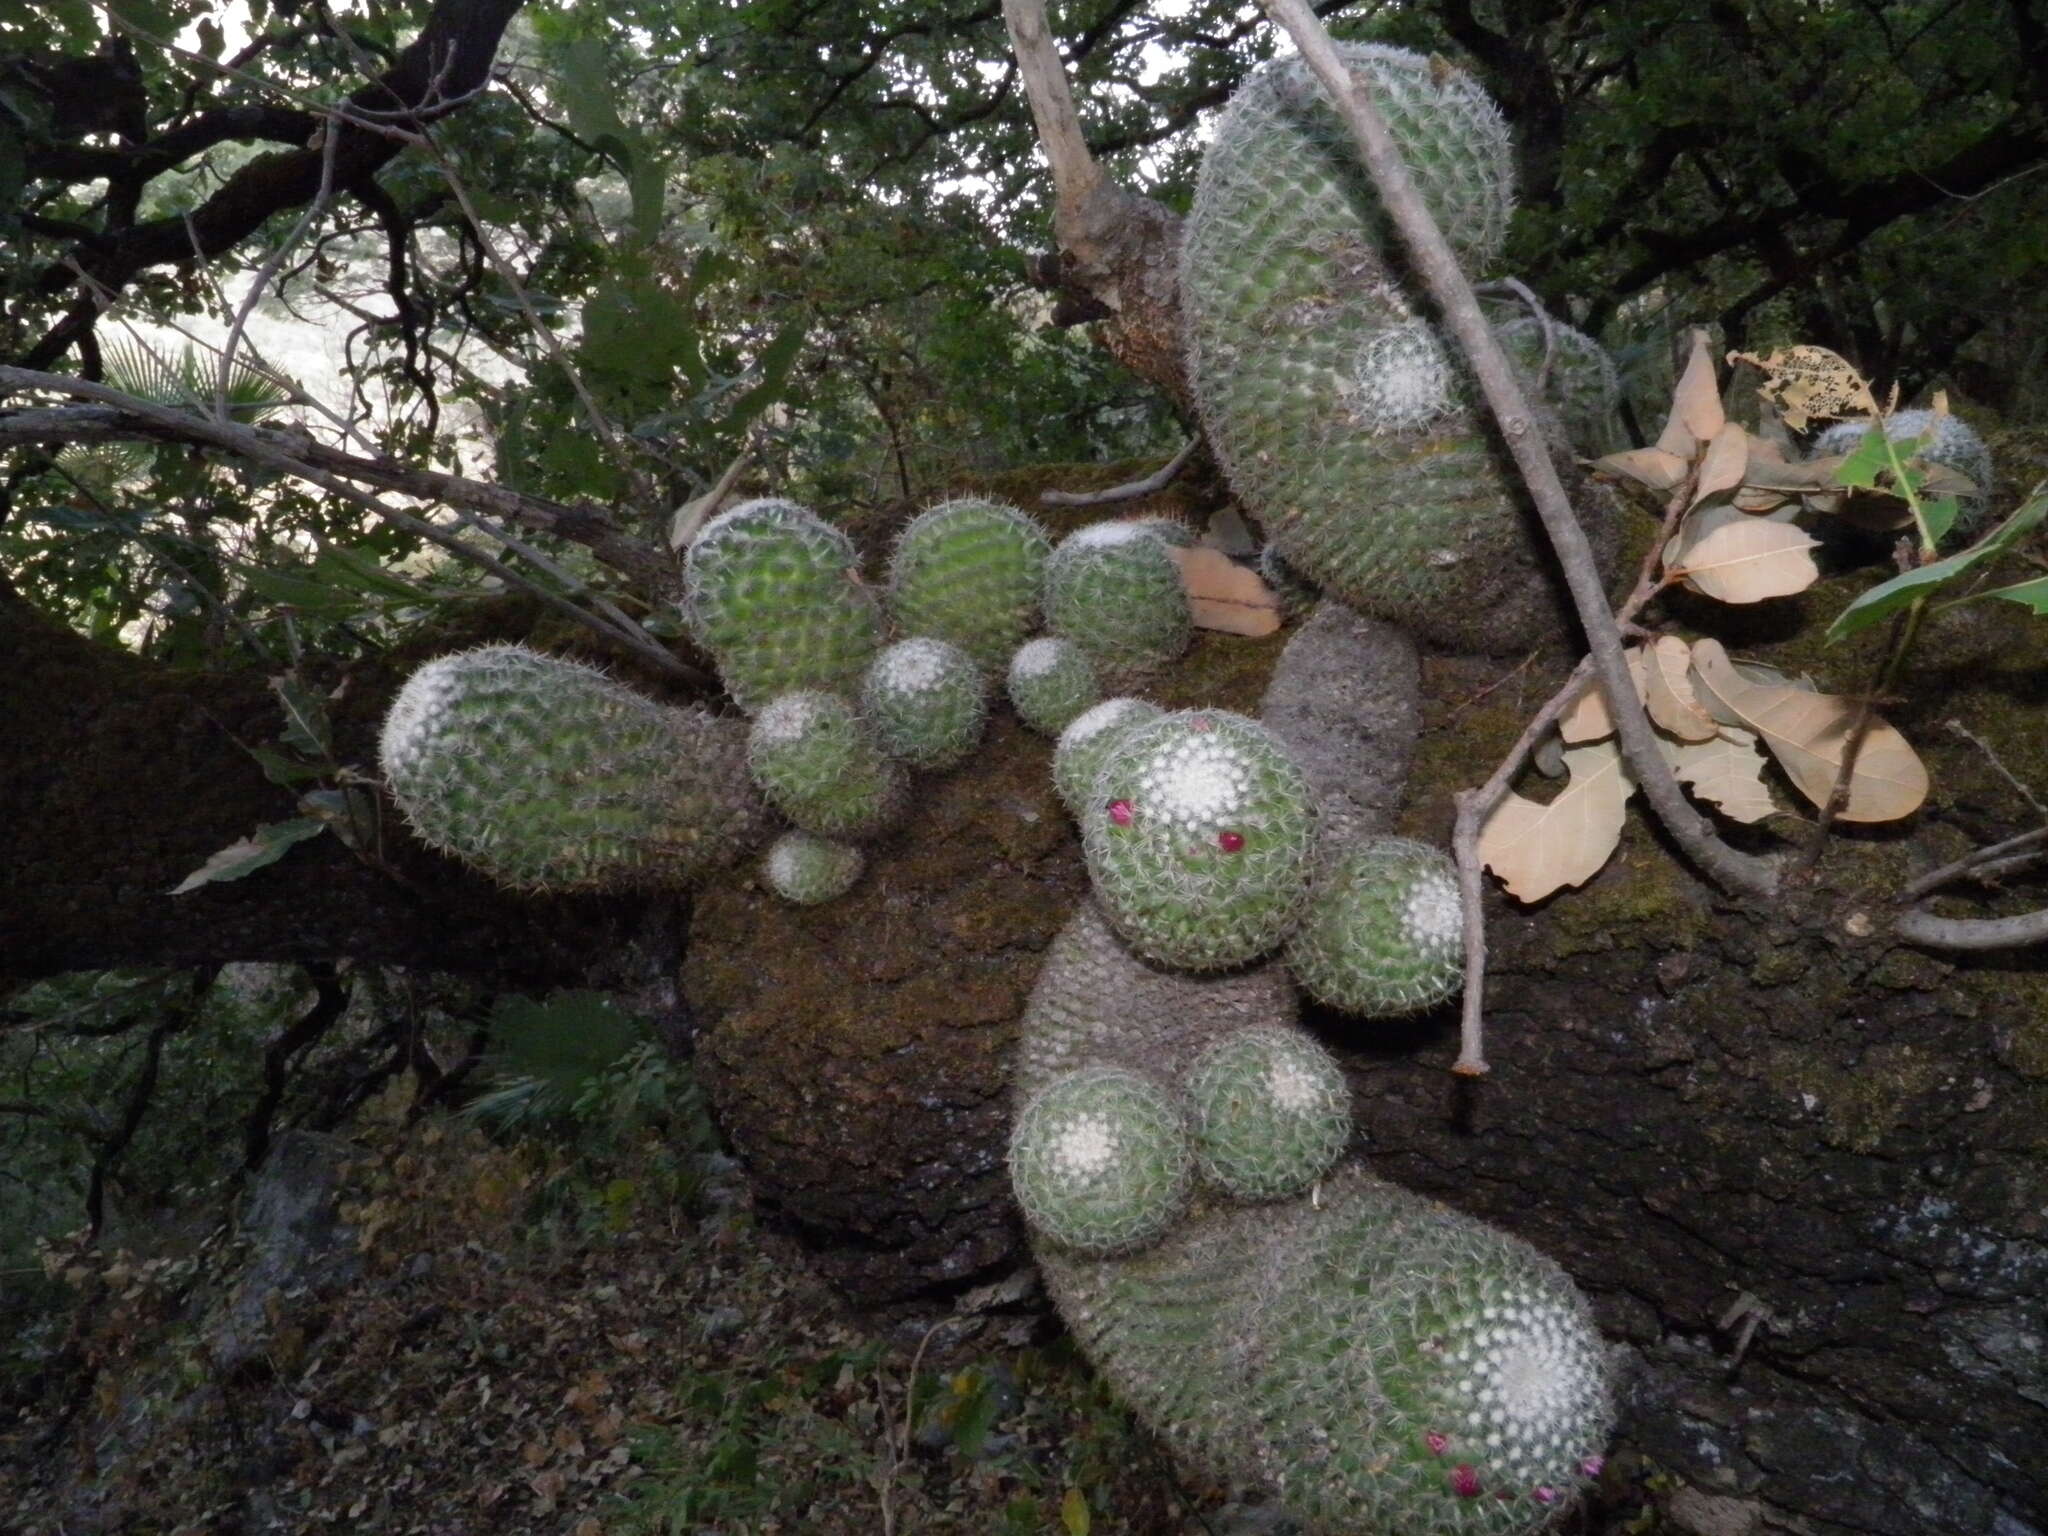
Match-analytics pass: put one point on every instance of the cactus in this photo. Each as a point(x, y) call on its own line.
point(774, 593)
point(969, 572)
point(1271, 1113)
point(1581, 383)
point(1100, 1161)
point(1114, 590)
point(1385, 1363)
point(806, 869)
point(1955, 445)
point(1334, 409)
point(816, 763)
point(1087, 740)
point(546, 774)
point(1383, 932)
point(1199, 837)
point(923, 700)
point(1051, 682)
point(1295, 593)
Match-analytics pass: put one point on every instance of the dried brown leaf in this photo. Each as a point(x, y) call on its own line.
point(1807, 382)
point(1667, 691)
point(1725, 770)
point(1808, 733)
point(1654, 467)
point(1725, 464)
point(1696, 414)
point(1735, 558)
point(1226, 596)
point(1537, 849)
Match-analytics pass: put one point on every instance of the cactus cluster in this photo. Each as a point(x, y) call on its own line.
point(1114, 591)
point(1334, 406)
point(1386, 1363)
point(547, 775)
point(969, 572)
point(1383, 931)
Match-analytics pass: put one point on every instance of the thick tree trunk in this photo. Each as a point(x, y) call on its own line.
point(1707, 1114)
point(119, 778)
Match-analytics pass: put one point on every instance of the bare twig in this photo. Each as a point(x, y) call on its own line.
point(1957, 728)
point(1130, 490)
point(1981, 862)
point(1972, 933)
point(1728, 867)
point(330, 137)
point(1075, 174)
point(300, 456)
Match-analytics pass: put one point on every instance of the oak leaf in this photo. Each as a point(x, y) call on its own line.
point(1537, 849)
point(1225, 596)
point(1725, 770)
point(1739, 558)
point(1808, 733)
point(1668, 695)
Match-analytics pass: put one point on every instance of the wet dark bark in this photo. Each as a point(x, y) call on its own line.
point(119, 778)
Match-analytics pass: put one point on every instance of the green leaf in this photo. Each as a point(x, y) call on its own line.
point(1888, 597)
point(1074, 1513)
point(266, 845)
point(2033, 594)
point(305, 718)
point(775, 361)
point(1870, 458)
point(1940, 516)
point(281, 770)
point(563, 1042)
point(347, 568)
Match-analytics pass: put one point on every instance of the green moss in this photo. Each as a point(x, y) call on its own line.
point(1861, 1102)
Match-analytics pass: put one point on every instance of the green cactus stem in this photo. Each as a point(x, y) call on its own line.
point(969, 572)
point(774, 593)
point(816, 763)
point(923, 699)
point(1384, 931)
point(547, 775)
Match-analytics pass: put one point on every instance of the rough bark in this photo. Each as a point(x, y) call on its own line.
point(119, 778)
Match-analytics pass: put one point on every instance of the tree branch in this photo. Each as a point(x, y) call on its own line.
point(1973, 933)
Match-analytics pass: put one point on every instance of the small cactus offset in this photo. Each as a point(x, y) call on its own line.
point(1114, 590)
point(923, 700)
point(547, 775)
point(1383, 932)
point(1580, 381)
point(807, 870)
point(816, 763)
point(1199, 839)
point(1051, 682)
point(969, 572)
point(774, 593)
point(1100, 1160)
point(1087, 740)
point(1271, 1112)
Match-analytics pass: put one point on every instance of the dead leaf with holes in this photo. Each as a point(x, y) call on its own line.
point(1538, 849)
point(1225, 596)
point(1806, 382)
point(1667, 692)
point(1725, 770)
point(1736, 557)
point(1808, 733)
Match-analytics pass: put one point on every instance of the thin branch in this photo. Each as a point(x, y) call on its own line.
point(330, 137)
point(1727, 866)
point(1132, 490)
point(298, 456)
point(1972, 933)
point(1978, 862)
